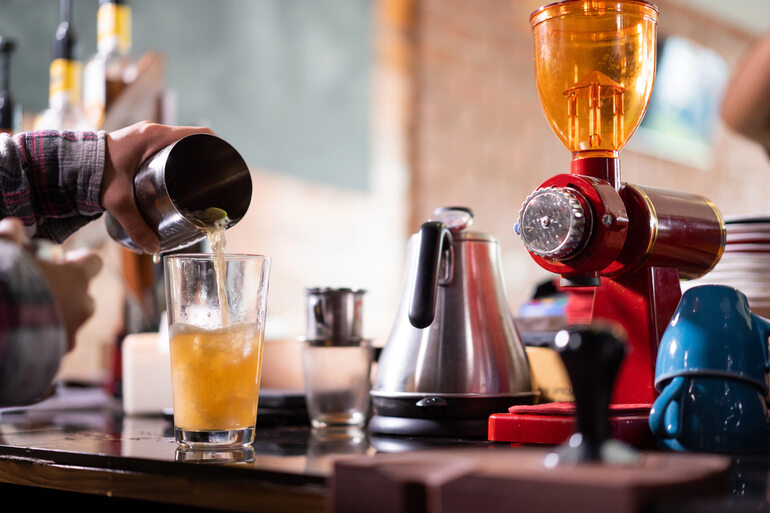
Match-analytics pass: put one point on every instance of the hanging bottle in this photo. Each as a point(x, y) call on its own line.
point(111, 69)
point(7, 103)
point(65, 109)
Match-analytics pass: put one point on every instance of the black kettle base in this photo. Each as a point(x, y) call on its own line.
point(439, 415)
point(410, 426)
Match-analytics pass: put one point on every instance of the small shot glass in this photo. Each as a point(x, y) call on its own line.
point(337, 382)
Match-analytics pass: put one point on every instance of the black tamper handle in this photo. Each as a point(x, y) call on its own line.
point(592, 356)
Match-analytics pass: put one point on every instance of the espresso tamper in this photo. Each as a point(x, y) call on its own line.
point(592, 356)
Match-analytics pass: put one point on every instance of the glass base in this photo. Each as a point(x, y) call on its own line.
point(214, 439)
point(337, 420)
point(215, 456)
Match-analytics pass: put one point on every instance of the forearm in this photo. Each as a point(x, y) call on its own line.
point(52, 180)
point(32, 338)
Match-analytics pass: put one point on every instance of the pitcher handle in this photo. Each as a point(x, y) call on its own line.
point(666, 413)
point(762, 325)
point(434, 238)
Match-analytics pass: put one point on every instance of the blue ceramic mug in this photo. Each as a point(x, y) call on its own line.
point(711, 414)
point(713, 332)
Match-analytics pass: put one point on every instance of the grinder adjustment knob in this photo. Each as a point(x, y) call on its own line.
point(552, 222)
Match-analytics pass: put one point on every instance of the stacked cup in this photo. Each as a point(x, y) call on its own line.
point(711, 374)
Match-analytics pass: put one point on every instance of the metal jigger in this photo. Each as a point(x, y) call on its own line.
point(192, 174)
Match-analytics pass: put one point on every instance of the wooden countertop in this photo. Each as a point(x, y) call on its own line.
point(87, 450)
point(94, 450)
point(80, 442)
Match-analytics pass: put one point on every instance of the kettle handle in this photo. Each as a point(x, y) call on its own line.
point(434, 238)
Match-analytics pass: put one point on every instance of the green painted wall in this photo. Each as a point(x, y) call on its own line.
point(287, 82)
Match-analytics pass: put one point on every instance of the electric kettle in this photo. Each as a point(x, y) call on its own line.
point(453, 356)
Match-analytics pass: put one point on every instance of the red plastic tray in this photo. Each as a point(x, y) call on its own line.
point(553, 423)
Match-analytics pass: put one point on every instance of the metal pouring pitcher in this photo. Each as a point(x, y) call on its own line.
point(192, 174)
point(453, 356)
point(334, 315)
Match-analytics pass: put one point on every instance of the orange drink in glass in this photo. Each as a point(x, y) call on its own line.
point(216, 316)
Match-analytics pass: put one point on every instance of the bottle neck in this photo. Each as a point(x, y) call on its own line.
point(113, 28)
point(6, 112)
point(65, 39)
point(6, 71)
point(6, 100)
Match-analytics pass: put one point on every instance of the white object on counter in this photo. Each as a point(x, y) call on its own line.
point(163, 333)
point(146, 375)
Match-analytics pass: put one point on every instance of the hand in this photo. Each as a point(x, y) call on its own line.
point(126, 150)
point(12, 229)
point(69, 281)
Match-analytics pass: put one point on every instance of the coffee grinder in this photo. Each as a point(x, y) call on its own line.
point(594, 67)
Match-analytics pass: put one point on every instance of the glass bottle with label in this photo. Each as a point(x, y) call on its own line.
point(65, 109)
point(7, 103)
point(109, 71)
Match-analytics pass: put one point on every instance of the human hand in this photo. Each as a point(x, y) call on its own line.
point(12, 229)
point(68, 280)
point(126, 150)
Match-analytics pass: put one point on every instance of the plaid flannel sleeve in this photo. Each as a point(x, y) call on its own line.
point(52, 180)
point(32, 337)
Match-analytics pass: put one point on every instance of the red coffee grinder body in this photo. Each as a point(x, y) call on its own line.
point(631, 244)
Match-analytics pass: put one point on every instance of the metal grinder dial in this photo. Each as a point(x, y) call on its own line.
point(552, 222)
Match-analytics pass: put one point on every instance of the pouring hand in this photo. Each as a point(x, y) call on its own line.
point(125, 151)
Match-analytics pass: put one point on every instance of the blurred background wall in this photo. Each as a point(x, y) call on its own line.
point(359, 117)
point(288, 83)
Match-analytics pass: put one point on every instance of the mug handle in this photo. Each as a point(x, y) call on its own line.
point(666, 412)
point(762, 325)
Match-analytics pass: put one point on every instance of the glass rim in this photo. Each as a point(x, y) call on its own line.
point(210, 256)
point(568, 7)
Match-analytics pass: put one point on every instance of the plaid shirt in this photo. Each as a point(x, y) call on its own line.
point(51, 181)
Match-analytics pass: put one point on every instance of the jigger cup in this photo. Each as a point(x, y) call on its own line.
point(216, 336)
point(192, 174)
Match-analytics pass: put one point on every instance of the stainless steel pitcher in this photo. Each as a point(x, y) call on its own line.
point(192, 174)
point(334, 315)
point(453, 356)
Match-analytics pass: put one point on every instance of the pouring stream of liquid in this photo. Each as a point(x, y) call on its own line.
point(213, 222)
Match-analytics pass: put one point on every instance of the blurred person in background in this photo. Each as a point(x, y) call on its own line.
point(51, 184)
point(746, 104)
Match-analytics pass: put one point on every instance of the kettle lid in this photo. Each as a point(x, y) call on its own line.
point(454, 218)
point(457, 219)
